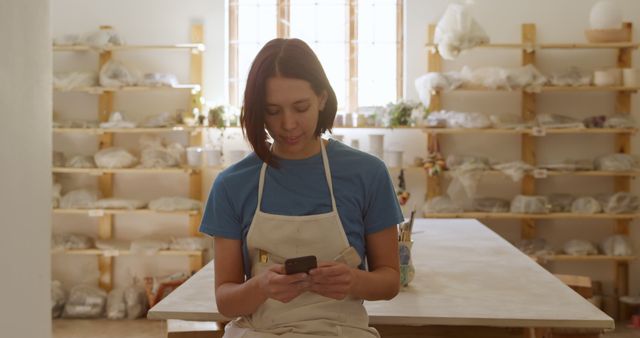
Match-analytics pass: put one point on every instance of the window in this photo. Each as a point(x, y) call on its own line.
point(359, 43)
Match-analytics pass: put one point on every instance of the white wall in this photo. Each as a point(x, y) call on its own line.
point(25, 143)
point(556, 21)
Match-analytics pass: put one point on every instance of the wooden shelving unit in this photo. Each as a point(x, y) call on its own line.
point(106, 137)
point(528, 48)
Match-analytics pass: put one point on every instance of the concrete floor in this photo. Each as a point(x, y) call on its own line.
point(142, 328)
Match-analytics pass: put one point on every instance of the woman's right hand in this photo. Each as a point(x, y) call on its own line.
point(275, 284)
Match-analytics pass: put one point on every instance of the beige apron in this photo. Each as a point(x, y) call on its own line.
point(309, 314)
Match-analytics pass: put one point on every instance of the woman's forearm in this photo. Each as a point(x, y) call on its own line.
point(239, 299)
point(381, 284)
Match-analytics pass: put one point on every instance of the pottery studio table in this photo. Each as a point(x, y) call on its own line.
point(469, 282)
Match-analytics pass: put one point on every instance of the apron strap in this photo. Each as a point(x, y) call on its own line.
point(327, 174)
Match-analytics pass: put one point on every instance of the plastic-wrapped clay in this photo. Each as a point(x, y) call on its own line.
point(515, 170)
point(164, 119)
point(535, 247)
point(55, 195)
point(433, 81)
point(455, 161)
point(103, 38)
point(85, 302)
point(70, 241)
point(509, 121)
point(79, 199)
point(148, 247)
point(621, 203)
point(556, 121)
point(159, 80)
point(617, 245)
point(527, 77)
point(112, 244)
point(441, 204)
point(135, 298)
point(161, 157)
point(616, 162)
point(561, 202)
point(117, 120)
point(187, 244)
point(119, 203)
point(457, 30)
point(174, 204)
point(58, 159)
point(116, 74)
point(73, 80)
point(619, 122)
point(80, 161)
point(114, 157)
point(586, 205)
point(77, 124)
point(579, 247)
point(487, 77)
point(569, 165)
point(490, 204)
point(58, 299)
point(573, 76)
point(116, 307)
point(530, 204)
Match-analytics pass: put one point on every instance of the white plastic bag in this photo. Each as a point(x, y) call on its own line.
point(619, 122)
point(69, 241)
point(116, 74)
point(457, 30)
point(440, 204)
point(155, 155)
point(187, 244)
point(58, 299)
point(579, 247)
point(116, 307)
point(67, 40)
point(114, 157)
point(117, 120)
point(174, 204)
point(617, 245)
point(616, 162)
point(573, 76)
point(557, 121)
point(164, 119)
point(85, 302)
point(148, 247)
point(535, 247)
point(79, 199)
point(561, 202)
point(433, 81)
point(72, 80)
point(621, 203)
point(80, 161)
point(103, 38)
point(119, 203)
point(530, 204)
point(515, 170)
point(586, 205)
point(490, 204)
point(159, 80)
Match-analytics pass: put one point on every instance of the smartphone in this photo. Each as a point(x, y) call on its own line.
point(300, 264)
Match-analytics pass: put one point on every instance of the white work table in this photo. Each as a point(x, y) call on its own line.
point(466, 275)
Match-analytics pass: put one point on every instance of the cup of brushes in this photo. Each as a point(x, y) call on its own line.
point(407, 271)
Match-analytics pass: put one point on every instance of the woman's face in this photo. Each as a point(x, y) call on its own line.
point(292, 116)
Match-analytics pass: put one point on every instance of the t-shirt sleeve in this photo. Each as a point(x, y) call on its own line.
point(220, 218)
point(382, 207)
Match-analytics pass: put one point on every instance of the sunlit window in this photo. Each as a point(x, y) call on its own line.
point(370, 79)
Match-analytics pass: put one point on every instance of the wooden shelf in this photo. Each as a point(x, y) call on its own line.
point(193, 47)
point(111, 253)
point(100, 171)
point(102, 212)
point(530, 131)
point(589, 258)
point(100, 90)
point(568, 173)
point(509, 215)
point(547, 89)
point(374, 127)
point(100, 131)
point(521, 46)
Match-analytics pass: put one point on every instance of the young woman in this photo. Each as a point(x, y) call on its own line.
point(299, 195)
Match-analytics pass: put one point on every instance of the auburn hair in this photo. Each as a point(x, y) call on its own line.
point(289, 58)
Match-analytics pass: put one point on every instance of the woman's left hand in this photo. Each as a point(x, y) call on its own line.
point(332, 279)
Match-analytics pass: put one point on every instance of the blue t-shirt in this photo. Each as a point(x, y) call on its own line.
point(364, 193)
